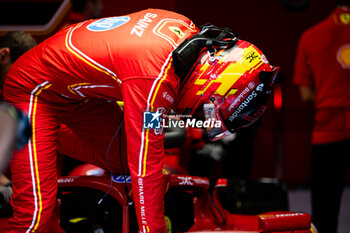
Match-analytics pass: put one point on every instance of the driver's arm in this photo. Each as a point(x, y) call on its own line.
point(145, 149)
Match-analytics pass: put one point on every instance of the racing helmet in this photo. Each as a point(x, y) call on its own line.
point(231, 85)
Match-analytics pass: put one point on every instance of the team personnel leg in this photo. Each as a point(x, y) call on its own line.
point(329, 167)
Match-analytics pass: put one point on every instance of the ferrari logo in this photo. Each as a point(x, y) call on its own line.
point(345, 18)
point(177, 31)
point(343, 56)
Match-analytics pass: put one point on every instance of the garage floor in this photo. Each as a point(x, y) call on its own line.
point(299, 200)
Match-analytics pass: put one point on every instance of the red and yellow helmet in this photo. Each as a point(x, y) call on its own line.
point(233, 87)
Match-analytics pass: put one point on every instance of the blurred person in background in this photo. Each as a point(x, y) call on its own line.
point(12, 45)
point(322, 72)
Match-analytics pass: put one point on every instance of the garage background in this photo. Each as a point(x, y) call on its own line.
point(282, 143)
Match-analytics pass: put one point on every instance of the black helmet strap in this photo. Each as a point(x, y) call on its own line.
point(210, 38)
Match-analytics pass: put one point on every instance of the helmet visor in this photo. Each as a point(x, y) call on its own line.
point(246, 113)
point(254, 104)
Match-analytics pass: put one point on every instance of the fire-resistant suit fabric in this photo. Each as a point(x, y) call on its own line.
point(73, 78)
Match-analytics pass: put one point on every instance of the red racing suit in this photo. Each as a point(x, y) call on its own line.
point(74, 78)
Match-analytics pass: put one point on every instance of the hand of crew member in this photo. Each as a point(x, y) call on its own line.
point(6, 193)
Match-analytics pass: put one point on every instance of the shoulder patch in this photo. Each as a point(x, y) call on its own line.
point(107, 23)
point(343, 56)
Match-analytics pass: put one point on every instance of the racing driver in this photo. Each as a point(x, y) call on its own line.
point(153, 61)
